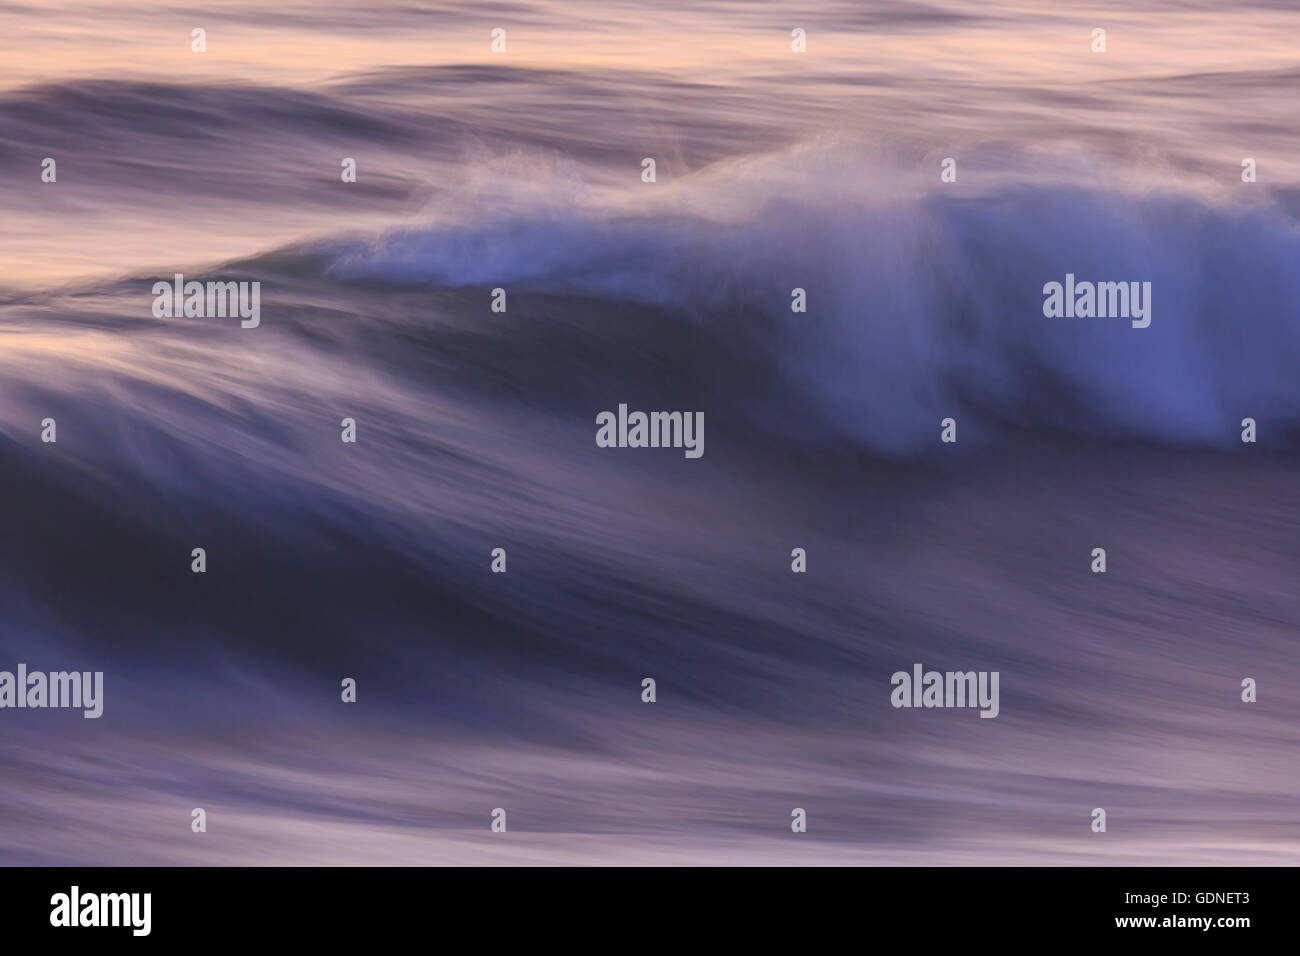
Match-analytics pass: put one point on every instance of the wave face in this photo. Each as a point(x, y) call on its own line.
point(932, 306)
point(476, 430)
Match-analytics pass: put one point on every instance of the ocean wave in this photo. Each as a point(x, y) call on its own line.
point(927, 306)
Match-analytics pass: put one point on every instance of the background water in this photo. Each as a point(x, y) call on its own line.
point(476, 431)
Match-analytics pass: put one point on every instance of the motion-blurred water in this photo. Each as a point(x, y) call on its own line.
point(476, 431)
